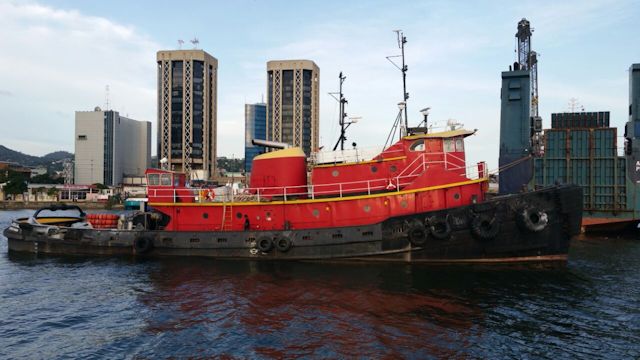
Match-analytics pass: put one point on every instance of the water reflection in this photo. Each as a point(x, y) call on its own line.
point(333, 309)
point(109, 307)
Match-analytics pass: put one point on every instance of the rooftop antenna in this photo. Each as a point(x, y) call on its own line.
point(106, 98)
point(401, 41)
point(180, 43)
point(195, 42)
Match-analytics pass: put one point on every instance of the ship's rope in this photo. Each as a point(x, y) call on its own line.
point(509, 165)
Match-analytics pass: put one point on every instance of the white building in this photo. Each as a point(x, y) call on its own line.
point(109, 146)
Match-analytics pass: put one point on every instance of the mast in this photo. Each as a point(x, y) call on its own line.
point(343, 125)
point(405, 95)
point(404, 80)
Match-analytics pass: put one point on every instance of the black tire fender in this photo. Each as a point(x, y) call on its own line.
point(439, 227)
point(264, 244)
point(485, 226)
point(283, 244)
point(417, 234)
point(142, 245)
point(532, 219)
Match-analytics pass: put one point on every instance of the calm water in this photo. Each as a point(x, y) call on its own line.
point(54, 307)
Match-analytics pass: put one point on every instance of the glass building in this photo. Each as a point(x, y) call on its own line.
point(293, 103)
point(255, 127)
point(187, 111)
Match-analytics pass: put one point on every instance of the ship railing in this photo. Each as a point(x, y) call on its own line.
point(261, 194)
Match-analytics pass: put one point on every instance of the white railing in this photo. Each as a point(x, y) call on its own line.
point(225, 194)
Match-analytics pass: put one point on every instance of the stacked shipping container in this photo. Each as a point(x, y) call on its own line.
point(580, 120)
point(581, 149)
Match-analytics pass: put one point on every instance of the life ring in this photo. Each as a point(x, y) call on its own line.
point(485, 226)
point(439, 227)
point(532, 219)
point(142, 245)
point(417, 234)
point(283, 244)
point(264, 244)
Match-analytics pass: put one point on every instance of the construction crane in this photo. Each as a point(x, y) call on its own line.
point(528, 60)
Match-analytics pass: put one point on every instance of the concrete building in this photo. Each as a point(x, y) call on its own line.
point(293, 88)
point(255, 127)
point(109, 146)
point(187, 111)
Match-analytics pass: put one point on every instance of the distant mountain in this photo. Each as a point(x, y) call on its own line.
point(7, 154)
point(57, 156)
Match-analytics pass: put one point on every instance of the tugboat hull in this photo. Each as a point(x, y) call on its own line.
point(534, 226)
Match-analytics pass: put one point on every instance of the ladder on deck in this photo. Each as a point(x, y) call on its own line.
point(227, 217)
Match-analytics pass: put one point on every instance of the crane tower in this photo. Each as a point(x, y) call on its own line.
point(528, 60)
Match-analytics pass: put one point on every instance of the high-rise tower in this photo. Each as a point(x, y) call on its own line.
point(255, 127)
point(187, 111)
point(293, 88)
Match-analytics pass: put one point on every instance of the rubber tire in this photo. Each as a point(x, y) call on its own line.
point(417, 234)
point(142, 245)
point(440, 228)
point(283, 244)
point(532, 219)
point(485, 227)
point(264, 244)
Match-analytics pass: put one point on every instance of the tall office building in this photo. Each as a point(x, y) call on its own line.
point(255, 127)
point(187, 111)
point(109, 146)
point(293, 103)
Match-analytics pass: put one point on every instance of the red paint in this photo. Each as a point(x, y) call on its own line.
point(409, 165)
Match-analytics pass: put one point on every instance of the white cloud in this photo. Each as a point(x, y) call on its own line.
point(56, 62)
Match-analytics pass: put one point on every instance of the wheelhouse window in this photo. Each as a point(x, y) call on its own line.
point(417, 145)
point(165, 180)
point(449, 145)
point(459, 145)
point(153, 179)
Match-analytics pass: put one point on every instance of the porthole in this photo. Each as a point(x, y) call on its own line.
point(205, 215)
point(335, 173)
point(239, 215)
point(456, 196)
point(404, 204)
point(393, 168)
point(316, 213)
point(366, 208)
point(374, 169)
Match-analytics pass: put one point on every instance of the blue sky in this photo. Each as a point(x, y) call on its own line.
point(57, 56)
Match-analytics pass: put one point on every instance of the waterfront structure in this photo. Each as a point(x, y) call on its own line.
point(109, 146)
point(7, 166)
point(255, 127)
point(187, 111)
point(293, 103)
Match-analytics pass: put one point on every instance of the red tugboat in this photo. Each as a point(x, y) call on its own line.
point(415, 201)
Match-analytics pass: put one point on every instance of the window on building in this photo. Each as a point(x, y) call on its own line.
point(82, 137)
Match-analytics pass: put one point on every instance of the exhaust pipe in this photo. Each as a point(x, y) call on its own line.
point(270, 144)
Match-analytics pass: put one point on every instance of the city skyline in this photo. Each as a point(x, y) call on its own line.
point(455, 53)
